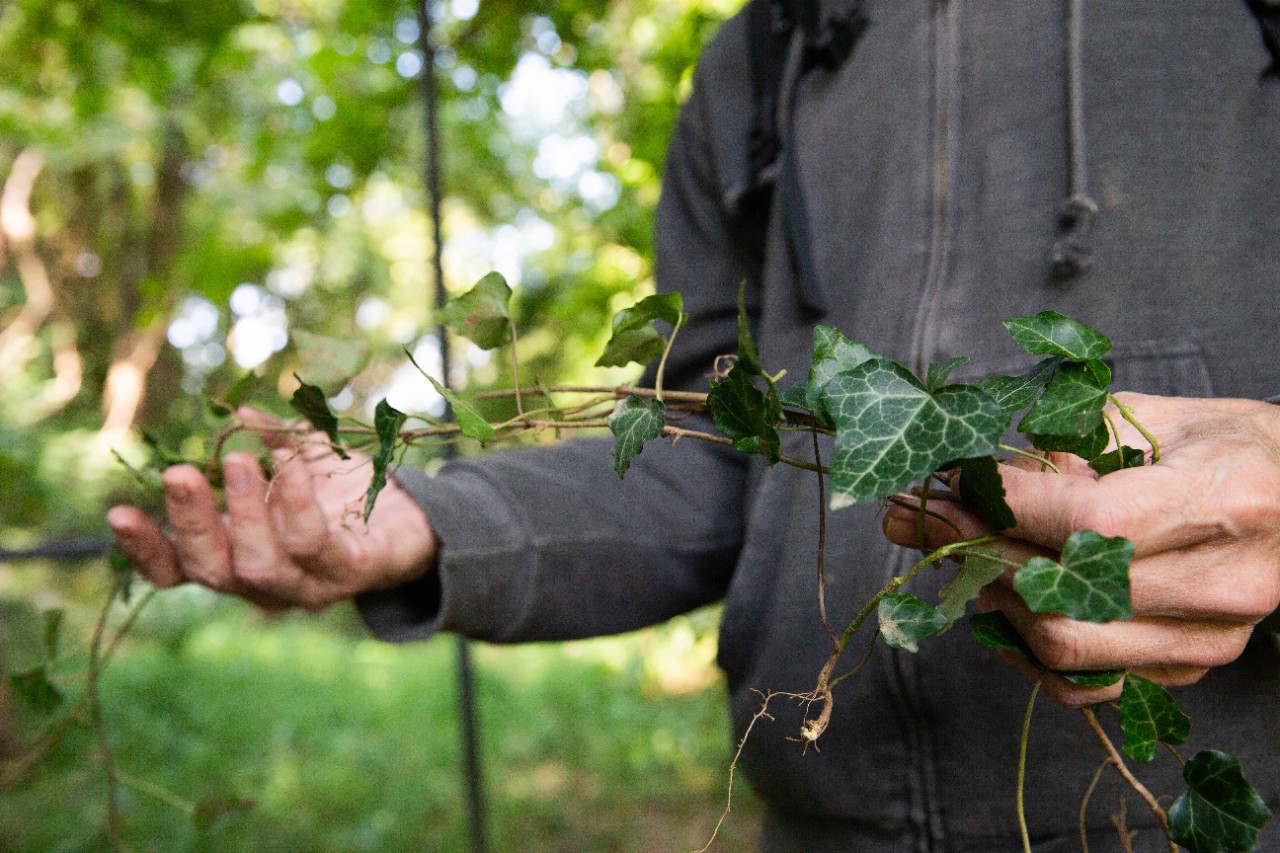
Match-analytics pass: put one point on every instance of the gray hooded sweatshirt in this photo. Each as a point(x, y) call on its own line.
point(930, 172)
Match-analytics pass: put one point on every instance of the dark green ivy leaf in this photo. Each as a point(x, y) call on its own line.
point(994, 631)
point(905, 620)
point(890, 430)
point(1015, 393)
point(938, 373)
point(633, 422)
point(635, 337)
point(745, 414)
point(982, 490)
point(483, 313)
point(1117, 460)
point(1089, 447)
point(1220, 812)
point(1071, 405)
point(35, 688)
point(1149, 715)
point(309, 401)
point(1051, 333)
point(1091, 583)
point(386, 422)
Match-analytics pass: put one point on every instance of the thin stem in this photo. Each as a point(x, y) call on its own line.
point(1022, 765)
point(156, 791)
point(662, 363)
point(99, 729)
point(733, 765)
point(680, 432)
point(898, 582)
point(1127, 414)
point(515, 369)
point(1115, 430)
point(922, 543)
point(618, 392)
point(1114, 759)
point(822, 544)
point(862, 662)
point(1043, 460)
point(1084, 805)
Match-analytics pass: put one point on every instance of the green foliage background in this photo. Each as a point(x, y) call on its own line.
point(181, 182)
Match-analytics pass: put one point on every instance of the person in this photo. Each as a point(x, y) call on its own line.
point(918, 169)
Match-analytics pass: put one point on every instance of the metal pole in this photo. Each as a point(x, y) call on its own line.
point(466, 678)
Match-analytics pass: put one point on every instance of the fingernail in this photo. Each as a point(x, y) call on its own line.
point(179, 492)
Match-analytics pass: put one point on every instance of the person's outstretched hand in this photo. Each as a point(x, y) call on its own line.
point(298, 540)
point(1205, 521)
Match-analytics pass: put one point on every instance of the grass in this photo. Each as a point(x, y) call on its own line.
point(343, 743)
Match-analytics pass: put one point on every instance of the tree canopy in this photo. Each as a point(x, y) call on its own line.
point(193, 192)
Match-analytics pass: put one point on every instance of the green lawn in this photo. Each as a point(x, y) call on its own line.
point(347, 744)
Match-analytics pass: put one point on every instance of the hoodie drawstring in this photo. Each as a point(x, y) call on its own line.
point(1071, 254)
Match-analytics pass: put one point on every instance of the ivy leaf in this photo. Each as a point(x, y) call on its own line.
point(470, 421)
point(743, 412)
point(633, 422)
point(386, 422)
point(1117, 460)
point(1071, 405)
point(938, 373)
point(982, 490)
point(1089, 447)
point(1091, 583)
point(483, 313)
point(980, 568)
point(1051, 333)
point(748, 353)
point(1015, 393)
point(1149, 715)
point(635, 337)
point(35, 688)
point(890, 430)
point(330, 362)
point(994, 631)
point(1220, 812)
point(236, 394)
point(795, 396)
point(309, 401)
point(906, 620)
point(833, 353)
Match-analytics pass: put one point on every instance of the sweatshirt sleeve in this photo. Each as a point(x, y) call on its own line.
point(550, 544)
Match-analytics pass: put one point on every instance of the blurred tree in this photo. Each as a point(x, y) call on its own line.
point(186, 186)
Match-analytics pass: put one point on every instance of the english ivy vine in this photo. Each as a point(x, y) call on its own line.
point(890, 429)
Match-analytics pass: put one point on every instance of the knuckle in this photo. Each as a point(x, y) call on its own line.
point(1105, 517)
point(1060, 644)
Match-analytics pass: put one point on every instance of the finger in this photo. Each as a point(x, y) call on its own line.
point(199, 538)
point(145, 544)
point(1062, 643)
point(1226, 585)
point(1071, 695)
point(948, 522)
point(301, 522)
point(258, 562)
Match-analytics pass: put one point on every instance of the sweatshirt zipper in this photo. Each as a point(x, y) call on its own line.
point(944, 139)
point(944, 131)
